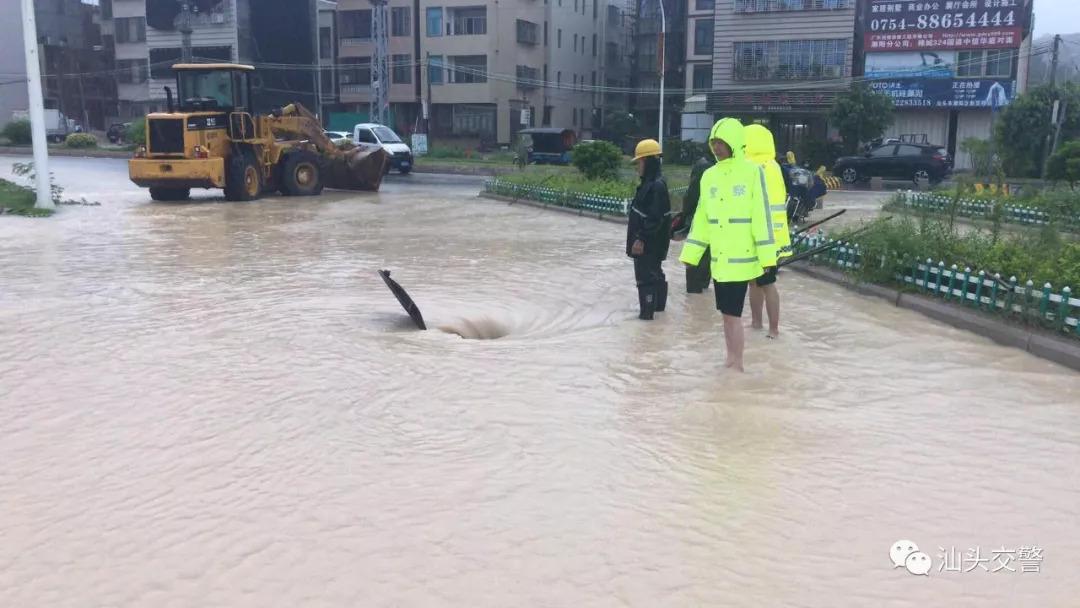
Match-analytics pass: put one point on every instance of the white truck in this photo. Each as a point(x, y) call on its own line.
point(57, 126)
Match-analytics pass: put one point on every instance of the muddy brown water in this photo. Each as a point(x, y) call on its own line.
point(214, 404)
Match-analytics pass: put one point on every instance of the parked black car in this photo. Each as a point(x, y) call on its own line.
point(117, 132)
point(917, 162)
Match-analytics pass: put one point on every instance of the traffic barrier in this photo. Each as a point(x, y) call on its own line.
point(982, 209)
point(604, 205)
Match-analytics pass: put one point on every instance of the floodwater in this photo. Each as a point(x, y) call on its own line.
point(219, 404)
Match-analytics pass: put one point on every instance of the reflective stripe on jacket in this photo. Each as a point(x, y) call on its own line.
point(761, 149)
point(732, 217)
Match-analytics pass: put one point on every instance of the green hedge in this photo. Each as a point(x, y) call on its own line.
point(136, 132)
point(17, 132)
point(80, 140)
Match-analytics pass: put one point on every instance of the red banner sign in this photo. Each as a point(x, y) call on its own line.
point(891, 25)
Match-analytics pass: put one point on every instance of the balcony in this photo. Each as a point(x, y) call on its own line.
point(471, 21)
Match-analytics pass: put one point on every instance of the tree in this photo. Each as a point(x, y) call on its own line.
point(620, 127)
point(1023, 126)
point(1064, 165)
point(597, 160)
point(861, 114)
point(982, 156)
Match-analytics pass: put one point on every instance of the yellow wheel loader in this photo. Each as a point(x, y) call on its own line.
point(213, 137)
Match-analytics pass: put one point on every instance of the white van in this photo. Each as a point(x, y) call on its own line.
point(401, 157)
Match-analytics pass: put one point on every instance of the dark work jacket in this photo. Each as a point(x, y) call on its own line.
point(693, 191)
point(648, 217)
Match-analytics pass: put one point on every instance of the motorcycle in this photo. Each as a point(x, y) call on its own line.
point(804, 189)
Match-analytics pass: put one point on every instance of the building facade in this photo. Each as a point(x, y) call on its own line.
point(779, 62)
point(482, 71)
point(949, 65)
point(645, 60)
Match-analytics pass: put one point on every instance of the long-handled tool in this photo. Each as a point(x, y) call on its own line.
point(828, 246)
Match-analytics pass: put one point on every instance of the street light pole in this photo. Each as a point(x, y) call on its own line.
point(37, 107)
point(663, 66)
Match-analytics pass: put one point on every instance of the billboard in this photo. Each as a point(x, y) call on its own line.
point(890, 25)
point(921, 64)
point(942, 93)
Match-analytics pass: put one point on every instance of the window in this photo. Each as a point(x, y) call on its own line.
point(575, 5)
point(791, 59)
point(356, 24)
point(545, 74)
point(575, 43)
point(575, 117)
point(132, 71)
point(771, 6)
point(468, 21)
point(355, 71)
point(704, 5)
point(976, 64)
point(400, 21)
point(558, 78)
point(326, 42)
point(594, 9)
point(545, 33)
point(909, 151)
point(527, 32)
point(467, 69)
point(401, 69)
point(702, 77)
point(882, 152)
point(527, 77)
point(364, 136)
point(434, 22)
point(546, 121)
point(435, 69)
point(703, 37)
point(106, 9)
point(594, 45)
point(558, 38)
point(130, 29)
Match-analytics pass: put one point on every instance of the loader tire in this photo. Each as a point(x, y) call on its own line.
point(301, 174)
point(243, 182)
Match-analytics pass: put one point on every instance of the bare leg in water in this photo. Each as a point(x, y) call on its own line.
point(734, 339)
point(767, 298)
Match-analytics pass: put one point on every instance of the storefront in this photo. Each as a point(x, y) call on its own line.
point(793, 116)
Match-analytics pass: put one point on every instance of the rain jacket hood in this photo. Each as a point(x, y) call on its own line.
point(731, 132)
point(760, 146)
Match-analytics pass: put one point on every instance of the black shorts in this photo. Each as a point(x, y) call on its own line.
point(766, 279)
point(730, 297)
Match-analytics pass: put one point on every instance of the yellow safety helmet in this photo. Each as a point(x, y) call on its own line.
point(645, 148)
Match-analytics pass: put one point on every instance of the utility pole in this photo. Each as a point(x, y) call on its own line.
point(428, 109)
point(663, 33)
point(380, 74)
point(1054, 61)
point(37, 107)
point(185, 31)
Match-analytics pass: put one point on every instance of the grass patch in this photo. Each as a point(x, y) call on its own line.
point(17, 200)
point(1043, 255)
point(571, 180)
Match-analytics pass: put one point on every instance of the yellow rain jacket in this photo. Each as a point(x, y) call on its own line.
point(732, 217)
point(761, 149)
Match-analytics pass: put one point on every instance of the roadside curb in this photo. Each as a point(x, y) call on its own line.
point(1044, 345)
point(615, 219)
point(83, 152)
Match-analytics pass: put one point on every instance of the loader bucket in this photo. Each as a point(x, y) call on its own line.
point(356, 168)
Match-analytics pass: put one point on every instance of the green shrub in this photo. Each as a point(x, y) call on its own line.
point(1064, 165)
point(981, 151)
point(17, 132)
point(136, 132)
point(598, 160)
point(80, 140)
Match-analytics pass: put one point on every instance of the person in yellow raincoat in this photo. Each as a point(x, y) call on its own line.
point(733, 222)
point(761, 150)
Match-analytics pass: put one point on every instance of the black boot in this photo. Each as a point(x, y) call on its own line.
point(661, 296)
point(647, 300)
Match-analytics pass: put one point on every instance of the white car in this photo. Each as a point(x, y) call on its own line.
point(401, 157)
point(338, 136)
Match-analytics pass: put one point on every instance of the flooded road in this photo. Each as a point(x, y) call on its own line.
point(221, 404)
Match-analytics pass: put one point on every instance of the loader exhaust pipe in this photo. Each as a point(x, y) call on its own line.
point(168, 99)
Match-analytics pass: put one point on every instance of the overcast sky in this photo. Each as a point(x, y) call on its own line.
point(1057, 17)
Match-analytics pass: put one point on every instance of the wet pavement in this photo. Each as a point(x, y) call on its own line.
point(221, 404)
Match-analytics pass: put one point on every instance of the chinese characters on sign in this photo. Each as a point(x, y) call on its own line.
point(945, 24)
point(938, 93)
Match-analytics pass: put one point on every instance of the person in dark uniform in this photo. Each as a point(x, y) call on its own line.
point(647, 230)
point(697, 277)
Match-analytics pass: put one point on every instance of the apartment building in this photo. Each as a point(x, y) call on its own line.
point(645, 61)
point(779, 62)
point(484, 69)
point(282, 39)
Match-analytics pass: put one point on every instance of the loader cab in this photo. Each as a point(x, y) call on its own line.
point(213, 87)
